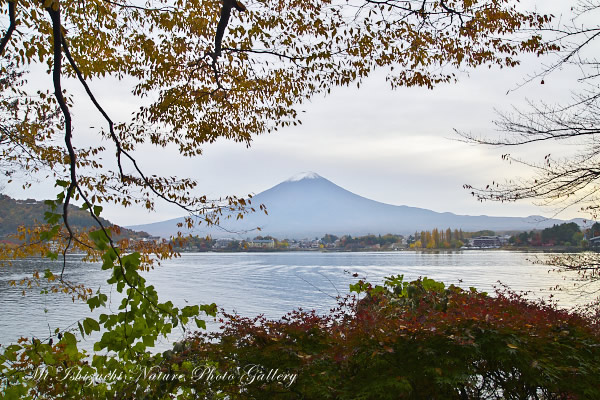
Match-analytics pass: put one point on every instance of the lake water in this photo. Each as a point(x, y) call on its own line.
point(268, 283)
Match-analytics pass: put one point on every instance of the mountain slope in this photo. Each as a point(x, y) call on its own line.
point(308, 205)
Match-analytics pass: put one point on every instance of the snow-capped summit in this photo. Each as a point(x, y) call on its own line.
point(304, 175)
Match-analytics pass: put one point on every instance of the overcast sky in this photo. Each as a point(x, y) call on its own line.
point(396, 147)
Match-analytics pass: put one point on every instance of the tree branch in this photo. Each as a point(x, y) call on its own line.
point(273, 53)
point(11, 27)
point(96, 104)
point(223, 21)
point(56, 77)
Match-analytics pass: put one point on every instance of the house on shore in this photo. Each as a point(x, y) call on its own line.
point(486, 241)
point(594, 242)
point(261, 244)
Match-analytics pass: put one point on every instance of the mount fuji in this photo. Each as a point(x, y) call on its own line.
point(308, 205)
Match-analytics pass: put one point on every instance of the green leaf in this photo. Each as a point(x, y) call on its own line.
point(62, 183)
point(93, 302)
point(200, 323)
point(49, 359)
point(148, 340)
point(190, 311)
point(69, 339)
point(52, 218)
point(99, 237)
point(209, 309)
point(90, 325)
point(48, 274)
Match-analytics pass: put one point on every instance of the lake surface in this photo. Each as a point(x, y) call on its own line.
point(268, 283)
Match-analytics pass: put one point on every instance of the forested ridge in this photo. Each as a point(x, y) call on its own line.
point(30, 212)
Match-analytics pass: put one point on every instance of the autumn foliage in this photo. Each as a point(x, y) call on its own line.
point(200, 74)
point(416, 340)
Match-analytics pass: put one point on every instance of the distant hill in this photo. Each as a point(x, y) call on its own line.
point(308, 205)
point(14, 213)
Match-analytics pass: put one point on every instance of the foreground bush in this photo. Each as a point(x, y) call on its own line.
point(405, 340)
point(416, 340)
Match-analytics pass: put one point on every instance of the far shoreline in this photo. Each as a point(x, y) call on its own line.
point(546, 249)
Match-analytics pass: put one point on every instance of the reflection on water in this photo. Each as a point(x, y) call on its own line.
point(267, 283)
